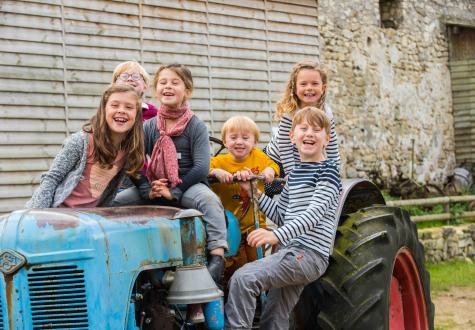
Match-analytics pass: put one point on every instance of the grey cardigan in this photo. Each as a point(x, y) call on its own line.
point(66, 172)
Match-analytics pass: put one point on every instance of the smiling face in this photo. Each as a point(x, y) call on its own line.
point(120, 112)
point(309, 87)
point(134, 79)
point(171, 90)
point(310, 141)
point(239, 143)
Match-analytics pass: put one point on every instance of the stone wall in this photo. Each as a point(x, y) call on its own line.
point(448, 243)
point(389, 87)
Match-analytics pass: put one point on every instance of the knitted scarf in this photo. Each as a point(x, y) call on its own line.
point(164, 161)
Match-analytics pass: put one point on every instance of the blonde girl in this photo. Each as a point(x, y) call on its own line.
point(307, 86)
point(89, 168)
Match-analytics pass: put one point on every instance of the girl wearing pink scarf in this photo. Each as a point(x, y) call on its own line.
point(177, 146)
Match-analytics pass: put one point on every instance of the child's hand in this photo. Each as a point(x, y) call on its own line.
point(222, 175)
point(261, 237)
point(160, 189)
point(163, 189)
point(244, 174)
point(268, 174)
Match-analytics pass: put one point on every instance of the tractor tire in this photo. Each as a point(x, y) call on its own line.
point(376, 278)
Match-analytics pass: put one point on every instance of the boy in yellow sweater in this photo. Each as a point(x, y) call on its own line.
point(240, 135)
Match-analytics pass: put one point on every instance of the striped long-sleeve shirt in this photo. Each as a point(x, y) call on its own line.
point(283, 151)
point(306, 209)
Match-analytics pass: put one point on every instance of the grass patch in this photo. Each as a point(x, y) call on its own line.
point(445, 275)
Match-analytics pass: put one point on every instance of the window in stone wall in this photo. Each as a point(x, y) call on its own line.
point(390, 12)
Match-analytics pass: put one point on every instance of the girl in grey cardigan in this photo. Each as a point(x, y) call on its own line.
point(89, 168)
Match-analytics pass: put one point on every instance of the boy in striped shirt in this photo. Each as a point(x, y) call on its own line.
point(305, 214)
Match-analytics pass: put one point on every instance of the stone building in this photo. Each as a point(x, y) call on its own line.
point(395, 65)
point(401, 73)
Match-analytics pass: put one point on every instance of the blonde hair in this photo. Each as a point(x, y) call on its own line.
point(182, 71)
point(289, 101)
point(104, 150)
point(130, 66)
point(314, 116)
point(240, 123)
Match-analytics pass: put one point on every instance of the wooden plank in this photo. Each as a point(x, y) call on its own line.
point(16, 191)
point(31, 112)
point(50, 100)
point(37, 9)
point(188, 5)
point(27, 61)
point(169, 24)
point(30, 21)
point(159, 13)
point(290, 48)
point(11, 204)
point(294, 19)
point(14, 138)
point(235, 42)
point(245, 23)
point(15, 165)
point(32, 86)
point(237, 32)
point(28, 151)
point(236, 11)
point(76, 52)
point(237, 73)
point(242, 54)
point(32, 125)
point(78, 14)
point(292, 8)
point(120, 42)
point(242, 3)
point(291, 38)
point(28, 34)
point(19, 178)
point(27, 47)
point(98, 29)
point(467, 86)
point(249, 85)
point(175, 36)
point(26, 73)
point(109, 7)
point(171, 47)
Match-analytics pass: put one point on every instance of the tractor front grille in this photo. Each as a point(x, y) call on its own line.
point(58, 297)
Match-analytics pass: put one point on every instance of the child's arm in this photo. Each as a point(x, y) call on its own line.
point(223, 176)
point(199, 144)
point(65, 161)
point(332, 147)
point(288, 155)
point(325, 196)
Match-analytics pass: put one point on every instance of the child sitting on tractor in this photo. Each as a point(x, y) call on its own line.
point(305, 214)
point(240, 135)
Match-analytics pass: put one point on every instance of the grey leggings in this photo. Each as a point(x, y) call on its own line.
point(198, 196)
point(284, 274)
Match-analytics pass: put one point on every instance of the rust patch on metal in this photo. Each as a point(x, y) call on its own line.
point(134, 214)
point(59, 220)
point(9, 296)
point(159, 262)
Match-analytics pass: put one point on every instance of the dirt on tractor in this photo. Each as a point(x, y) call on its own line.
point(454, 309)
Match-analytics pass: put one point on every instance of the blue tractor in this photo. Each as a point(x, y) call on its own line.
point(140, 267)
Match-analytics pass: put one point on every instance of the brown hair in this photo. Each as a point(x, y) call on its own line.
point(182, 71)
point(130, 66)
point(289, 101)
point(104, 151)
point(314, 116)
point(240, 123)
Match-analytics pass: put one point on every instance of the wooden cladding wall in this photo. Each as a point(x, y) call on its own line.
point(57, 56)
point(463, 94)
